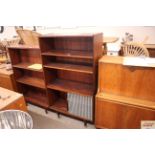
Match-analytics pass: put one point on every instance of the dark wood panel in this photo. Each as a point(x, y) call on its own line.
point(25, 55)
point(35, 95)
point(37, 99)
point(68, 43)
point(151, 52)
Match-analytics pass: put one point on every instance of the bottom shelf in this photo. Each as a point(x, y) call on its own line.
point(66, 113)
point(60, 105)
point(36, 98)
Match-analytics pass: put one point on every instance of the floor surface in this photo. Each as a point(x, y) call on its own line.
point(41, 120)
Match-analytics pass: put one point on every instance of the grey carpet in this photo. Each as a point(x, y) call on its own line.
point(42, 122)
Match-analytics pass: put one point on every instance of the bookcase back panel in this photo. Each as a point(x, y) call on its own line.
point(75, 61)
point(22, 73)
point(75, 76)
point(32, 90)
point(56, 95)
point(21, 56)
point(68, 43)
point(53, 74)
point(65, 60)
point(33, 94)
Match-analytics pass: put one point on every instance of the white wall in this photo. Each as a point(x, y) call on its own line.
point(139, 32)
point(8, 33)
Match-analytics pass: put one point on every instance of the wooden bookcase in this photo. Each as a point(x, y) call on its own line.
point(29, 81)
point(70, 66)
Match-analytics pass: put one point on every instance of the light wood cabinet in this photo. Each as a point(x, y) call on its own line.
point(7, 79)
point(17, 105)
point(11, 100)
point(125, 94)
point(119, 112)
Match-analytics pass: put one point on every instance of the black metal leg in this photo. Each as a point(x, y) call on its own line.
point(58, 115)
point(85, 123)
point(46, 111)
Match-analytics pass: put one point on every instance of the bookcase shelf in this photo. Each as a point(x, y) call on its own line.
point(36, 82)
point(39, 101)
point(59, 105)
point(70, 86)
point(70, 67)
point(70, 54)
point(25, 65)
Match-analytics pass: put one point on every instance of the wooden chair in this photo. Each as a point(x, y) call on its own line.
point(28, 37)
point(135, 49)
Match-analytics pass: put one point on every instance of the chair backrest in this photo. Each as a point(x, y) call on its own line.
point(28, 37)
point(15, 119)
point(135, 49)
point(2, 47)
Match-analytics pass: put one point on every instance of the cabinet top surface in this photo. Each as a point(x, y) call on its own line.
point(7, 97)
point(69, 34)
point(111, 59)
point(23, 47)
point(129, 61)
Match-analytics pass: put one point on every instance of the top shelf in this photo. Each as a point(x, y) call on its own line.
point(70, 54)
point(69, 34)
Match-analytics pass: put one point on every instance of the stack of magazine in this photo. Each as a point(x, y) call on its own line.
point(80, 105)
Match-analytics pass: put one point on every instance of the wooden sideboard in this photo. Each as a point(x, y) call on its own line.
point(151, 49)
point(6, 78)
point(125, 94)
point(11, 100)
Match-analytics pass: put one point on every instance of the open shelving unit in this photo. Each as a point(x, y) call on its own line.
point(70, 64)
point(30, 81)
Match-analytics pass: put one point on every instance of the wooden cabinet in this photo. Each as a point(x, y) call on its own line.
point(11, 100)
point(29, 80)
point(7, 79)
point(125, 95)
point(118, 112)
point(70, 66)
point(17, 105)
